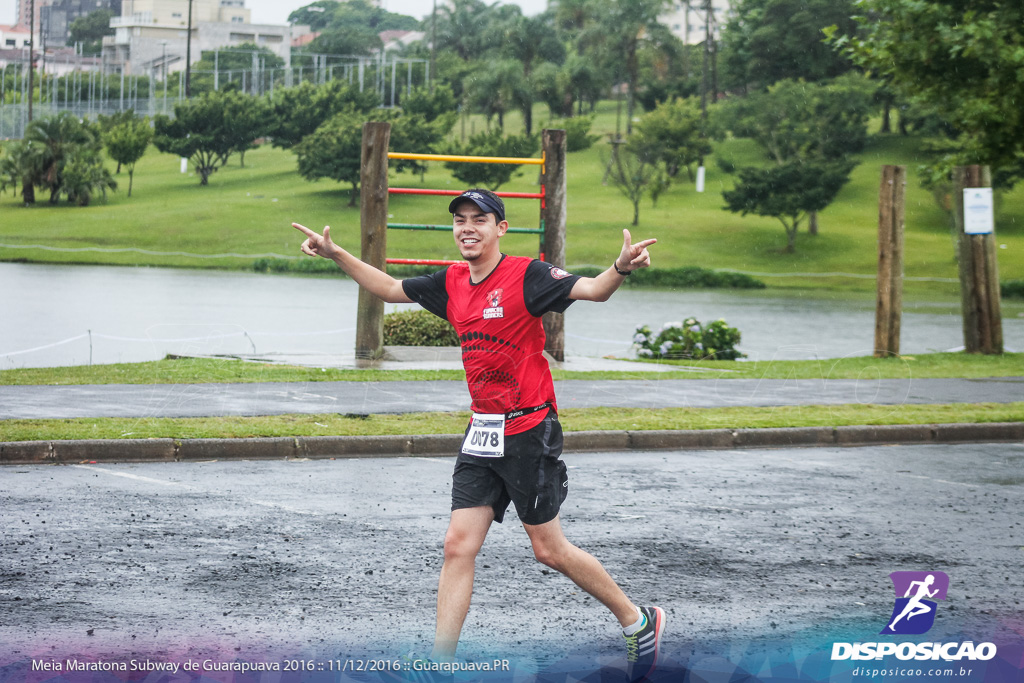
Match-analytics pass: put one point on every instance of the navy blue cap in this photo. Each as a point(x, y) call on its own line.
point(486, 203)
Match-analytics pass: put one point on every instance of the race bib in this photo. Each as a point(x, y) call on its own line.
point(486, 436)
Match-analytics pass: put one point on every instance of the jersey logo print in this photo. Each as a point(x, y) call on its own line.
point(558, 273)
point(494, 310)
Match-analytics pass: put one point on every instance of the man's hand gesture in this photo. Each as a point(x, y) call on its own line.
point(633, 256)
point(318, 245)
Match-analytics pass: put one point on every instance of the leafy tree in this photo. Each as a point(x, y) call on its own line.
point(961, 58)
point(84, 175)
point(334, 150)
point(126, 143)
point(796, 119)
point(90, 29)
point(347, 40)
point(247, 118)
point(634, 175)
point(668, 69)
point(788, 191)
point(431, 105)
point(577, 132)
point(351, 27)
point(491, 143)
point(21, 168)
point(818, 125)
point(58, 153)
point(58, 140)
point(462, 28)
point(316, 15)
point(300, 110)
point(368, 15)
point(672, 134)
point(766, 41)
point(496, 88)
point(200, 131)
point(628, 24)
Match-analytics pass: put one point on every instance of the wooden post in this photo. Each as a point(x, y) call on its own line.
point(889, 309)
point(979, 272)
point(553, 214)
point(373, 220)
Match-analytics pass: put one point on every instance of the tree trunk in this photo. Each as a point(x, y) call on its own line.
point(528, 119)
point(28, 192)
point(886, 118)
point(241, 159)
point(812, 223)
point(353, 195)
point(632, 69)
point(790, 237)
point(131, 174)
point(636, 213)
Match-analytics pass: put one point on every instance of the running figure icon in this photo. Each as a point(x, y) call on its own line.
point(915, 607)
point(916, 595)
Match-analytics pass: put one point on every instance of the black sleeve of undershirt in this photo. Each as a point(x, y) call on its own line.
point(546, 288)
point(429, 291)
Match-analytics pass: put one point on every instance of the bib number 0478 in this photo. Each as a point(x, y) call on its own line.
point(486, 436)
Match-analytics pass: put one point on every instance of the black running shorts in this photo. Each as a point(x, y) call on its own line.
point(530, 475)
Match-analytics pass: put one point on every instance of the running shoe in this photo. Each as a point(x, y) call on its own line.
point(642, 647)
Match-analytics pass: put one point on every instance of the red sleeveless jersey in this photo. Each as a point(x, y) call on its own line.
point(498, 321)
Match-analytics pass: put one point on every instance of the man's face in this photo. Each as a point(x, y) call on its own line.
point(476, 232)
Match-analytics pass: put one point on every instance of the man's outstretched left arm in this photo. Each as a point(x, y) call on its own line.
point(600, 288)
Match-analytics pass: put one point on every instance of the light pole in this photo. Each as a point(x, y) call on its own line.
point(163, 63)
point(31, 49)
point(188, 54)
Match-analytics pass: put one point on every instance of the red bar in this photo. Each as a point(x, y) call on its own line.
point(420, 262)
point(456, 193)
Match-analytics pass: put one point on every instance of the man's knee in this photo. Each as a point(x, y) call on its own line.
point(552, 554)
point(460, 544)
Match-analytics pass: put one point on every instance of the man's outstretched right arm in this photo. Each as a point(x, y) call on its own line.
point(377, 282)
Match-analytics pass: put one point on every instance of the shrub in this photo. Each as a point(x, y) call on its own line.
point(691, 277)
point(689, 340)
point(1012, 289)
point(418, 328)
point(577, 132)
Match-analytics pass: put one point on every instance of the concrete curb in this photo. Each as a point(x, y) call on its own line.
point(172, 450)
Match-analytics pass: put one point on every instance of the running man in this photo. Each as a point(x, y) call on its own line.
point(511, 452)
point(914, 606)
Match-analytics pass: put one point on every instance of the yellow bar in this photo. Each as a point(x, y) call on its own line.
point(472, 160)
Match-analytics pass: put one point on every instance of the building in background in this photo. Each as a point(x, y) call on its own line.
point(14, 37)
point(686, 19)
point(57, 16)
point(151, 35)
point(24, 8)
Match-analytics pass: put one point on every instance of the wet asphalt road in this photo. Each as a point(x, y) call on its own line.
point(196, 400)
point(340, 557)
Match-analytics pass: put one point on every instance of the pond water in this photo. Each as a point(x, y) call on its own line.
point(53, 315)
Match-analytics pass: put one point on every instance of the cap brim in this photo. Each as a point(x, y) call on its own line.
point(483, 206)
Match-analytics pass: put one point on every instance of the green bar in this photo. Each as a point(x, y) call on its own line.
point(448, 228)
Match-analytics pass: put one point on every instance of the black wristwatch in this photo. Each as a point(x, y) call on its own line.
point(623, 273)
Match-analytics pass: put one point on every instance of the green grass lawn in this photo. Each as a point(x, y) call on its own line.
point(206, 370)
point(633, 419)
point(249, 211)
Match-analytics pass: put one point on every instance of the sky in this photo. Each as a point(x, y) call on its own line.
point(277, 11)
